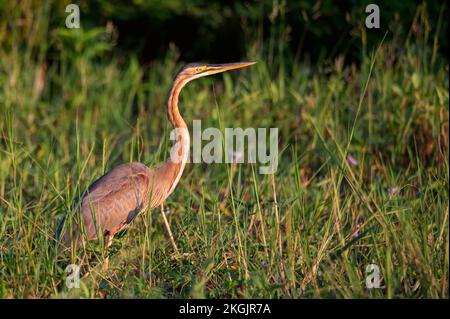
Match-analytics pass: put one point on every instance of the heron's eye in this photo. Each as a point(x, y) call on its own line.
point(201, 68)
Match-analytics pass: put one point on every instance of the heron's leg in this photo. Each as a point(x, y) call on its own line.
point(108, 243)
point(168, 229)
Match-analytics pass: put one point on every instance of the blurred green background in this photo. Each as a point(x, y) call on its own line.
point(363, 146)
point(227, 30)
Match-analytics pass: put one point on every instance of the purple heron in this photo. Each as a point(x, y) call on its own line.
point(112, 202)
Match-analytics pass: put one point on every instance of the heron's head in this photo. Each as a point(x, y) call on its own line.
point(196, 70)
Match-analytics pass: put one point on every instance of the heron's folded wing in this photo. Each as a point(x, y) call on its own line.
point(116, 198)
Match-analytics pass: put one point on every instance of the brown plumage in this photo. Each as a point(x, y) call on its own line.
point(116, 198)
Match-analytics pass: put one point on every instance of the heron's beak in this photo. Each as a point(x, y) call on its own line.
point(219, 68)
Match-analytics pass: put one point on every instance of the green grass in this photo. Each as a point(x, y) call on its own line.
point(308, 231)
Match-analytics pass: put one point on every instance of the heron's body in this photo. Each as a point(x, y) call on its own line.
point(115, 199)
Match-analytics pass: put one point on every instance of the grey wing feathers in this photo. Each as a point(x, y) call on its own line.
point(116, 196)
point(115, 199)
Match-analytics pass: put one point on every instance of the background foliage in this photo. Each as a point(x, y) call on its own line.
point(363, 126)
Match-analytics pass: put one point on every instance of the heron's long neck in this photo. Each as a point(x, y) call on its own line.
point(182, 140)
point(169, 173)
point(172, 104)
